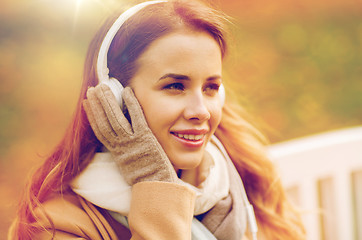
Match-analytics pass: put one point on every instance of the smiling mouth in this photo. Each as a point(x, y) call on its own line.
point(190, 137)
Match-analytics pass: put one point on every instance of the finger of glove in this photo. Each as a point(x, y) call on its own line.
point(100, 117)
point(139, 122)
point(113, 111)
point(93, 123)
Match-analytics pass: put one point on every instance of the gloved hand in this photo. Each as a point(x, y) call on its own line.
point(136, 150)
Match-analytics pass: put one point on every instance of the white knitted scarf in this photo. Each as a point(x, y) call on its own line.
point(102, 184)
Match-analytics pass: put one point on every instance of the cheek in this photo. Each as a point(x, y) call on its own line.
point(150, 112)
point(216, 114)
point(159, 112)
point(158, 118)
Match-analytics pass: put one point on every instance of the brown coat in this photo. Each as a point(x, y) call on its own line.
point(159, 210)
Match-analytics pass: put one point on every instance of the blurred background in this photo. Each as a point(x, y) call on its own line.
point(295, 65)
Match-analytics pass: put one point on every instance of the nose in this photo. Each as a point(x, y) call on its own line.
point(196, 108)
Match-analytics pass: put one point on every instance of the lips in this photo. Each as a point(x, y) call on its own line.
point(190, 138)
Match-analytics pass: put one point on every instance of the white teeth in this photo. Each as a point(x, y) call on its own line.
point(198, 137)
point(189, 136)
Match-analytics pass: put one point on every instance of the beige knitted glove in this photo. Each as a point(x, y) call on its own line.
point(135, 149)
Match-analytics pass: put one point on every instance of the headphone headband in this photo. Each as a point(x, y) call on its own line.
point(102, 68)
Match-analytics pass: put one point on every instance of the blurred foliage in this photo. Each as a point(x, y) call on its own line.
point(295, 65)
point(299, 71)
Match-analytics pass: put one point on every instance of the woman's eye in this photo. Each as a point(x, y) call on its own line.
point(212, 89)
point(175, 86)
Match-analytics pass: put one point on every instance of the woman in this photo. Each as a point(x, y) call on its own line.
point(168, 163)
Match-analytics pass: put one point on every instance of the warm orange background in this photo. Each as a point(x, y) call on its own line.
point(296, 65)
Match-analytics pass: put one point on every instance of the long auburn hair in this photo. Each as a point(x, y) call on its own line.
point(276, 218)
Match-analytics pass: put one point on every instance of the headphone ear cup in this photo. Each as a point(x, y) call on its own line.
point(116, 88)
point(222, 94)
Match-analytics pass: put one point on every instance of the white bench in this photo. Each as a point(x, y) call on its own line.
point(323, 176)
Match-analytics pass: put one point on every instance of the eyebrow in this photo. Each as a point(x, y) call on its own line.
point(175, 76)
point(184, 77)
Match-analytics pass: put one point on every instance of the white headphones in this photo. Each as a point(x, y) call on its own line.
point(102, 68)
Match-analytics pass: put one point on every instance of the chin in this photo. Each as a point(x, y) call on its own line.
point(187, 162)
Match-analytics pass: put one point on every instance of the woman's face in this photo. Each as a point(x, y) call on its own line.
point(177, 86)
